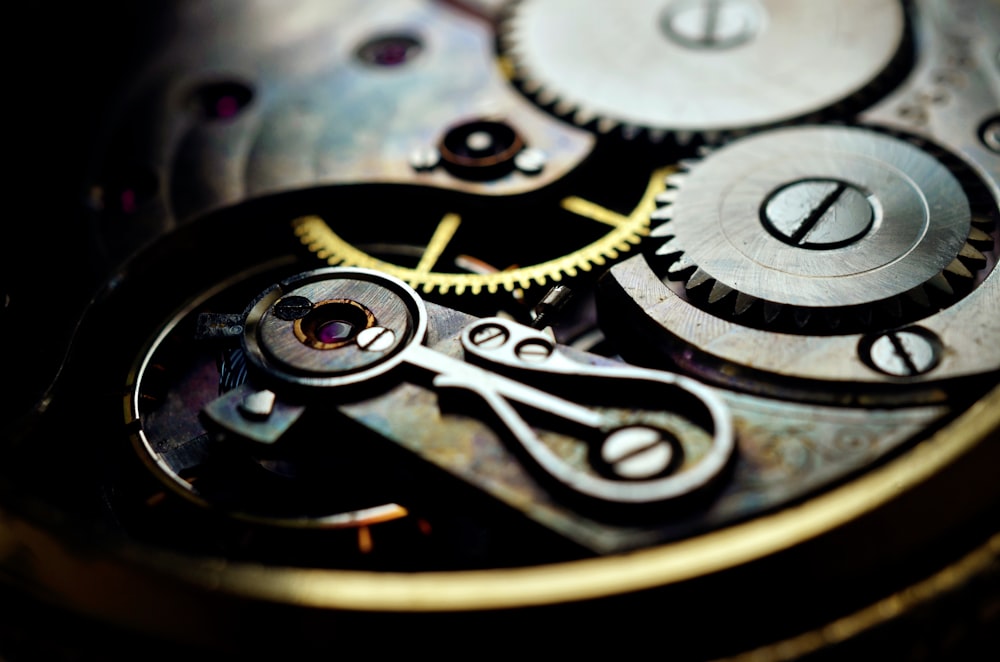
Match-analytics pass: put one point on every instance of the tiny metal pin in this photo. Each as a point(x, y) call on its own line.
point(258, 405)
point(553, 301)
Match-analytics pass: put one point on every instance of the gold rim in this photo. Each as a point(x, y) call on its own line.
point(615, 575)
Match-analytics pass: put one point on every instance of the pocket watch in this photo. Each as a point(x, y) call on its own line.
point(675, 321)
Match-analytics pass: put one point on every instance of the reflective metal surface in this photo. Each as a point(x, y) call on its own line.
point(425, 323)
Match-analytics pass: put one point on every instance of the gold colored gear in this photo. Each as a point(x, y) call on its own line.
point(628, 231)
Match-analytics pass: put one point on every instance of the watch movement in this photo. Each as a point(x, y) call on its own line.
point(668, 323)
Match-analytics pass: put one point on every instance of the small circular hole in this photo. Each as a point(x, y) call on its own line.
point(389, 50)
point(332, 324)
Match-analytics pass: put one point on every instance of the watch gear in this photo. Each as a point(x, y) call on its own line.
point(227, 446)
point(473, 277)
point(688, 67)
point(822, 229)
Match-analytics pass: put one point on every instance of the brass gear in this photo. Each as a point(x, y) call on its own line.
point(627, 232)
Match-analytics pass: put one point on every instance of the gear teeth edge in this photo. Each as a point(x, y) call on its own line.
point(699, 277)
point(744, 302)
point(919, 296)
point(680, 265)
point(719, 292)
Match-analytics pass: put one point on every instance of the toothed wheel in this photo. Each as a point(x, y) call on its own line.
point(701, 66)
point(821, 229)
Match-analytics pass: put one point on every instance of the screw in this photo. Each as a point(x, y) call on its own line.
point(534, 351)
point(553, 301)
point(292, 308)
point(258, 405)
point(637, 452)
point(424, 158)
point(818, 214)
point(376, 339)
point(489, 336)
point(530, 161)
point(717, 24)
point(904, 353)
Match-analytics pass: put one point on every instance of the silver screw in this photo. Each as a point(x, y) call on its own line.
point(818, 214)
point(258, 404)
point(376, 339)
point(715, 24)
point(489, 336)
point(534, 351)
point(530, 161)
point(905, 353)
point(424, 158)
point(637, 452)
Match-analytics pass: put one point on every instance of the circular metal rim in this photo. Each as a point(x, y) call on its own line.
point(526, 40)
point(850, 275)
point(366, 591)
point(256, 352)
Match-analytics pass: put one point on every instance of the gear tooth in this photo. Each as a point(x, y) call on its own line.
point(528, 84)
point(680, 265)
point(704, 150)
point(699, 277)
point(940, 283)
point(719, 292)
point(545, 96)
point(865, 315)
point(688, 165)
point(663, 214)
point(675, 180)
point(493, 287)
point(586, 266)
point(582, 116)
point(563, 108)
point(771, 310)
point(980, 237)
point(971, 254)
point(599, 260)
point(661, 230)
point(744, 302)
point(570, 271)
point(983, 221)
point(832, 319)
point(801, 317)
point(459, 289)
point(630, 131)
point(667, 248)
point(711, 137)
point(606, 125)
point(919, 296)
point(957, 268)
point(667, 197)
point(656, 136)
point(683, 138)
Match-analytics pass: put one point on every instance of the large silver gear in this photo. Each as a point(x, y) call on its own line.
point(699, 66)
point(820, 218)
